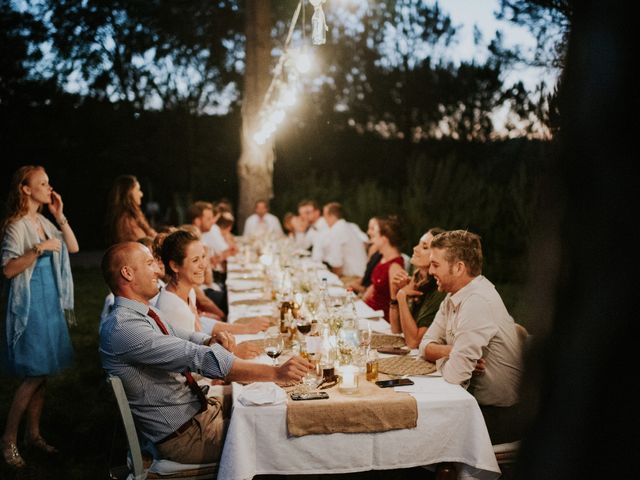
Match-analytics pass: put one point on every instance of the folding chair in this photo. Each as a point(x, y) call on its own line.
point(159, 469)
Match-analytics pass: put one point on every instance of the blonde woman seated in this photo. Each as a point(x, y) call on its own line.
point(415, 300)
point(185, 261)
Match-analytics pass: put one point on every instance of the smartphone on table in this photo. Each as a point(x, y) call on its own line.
point(310, 396)
point(396, 382)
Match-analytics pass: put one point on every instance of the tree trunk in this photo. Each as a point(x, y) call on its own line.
point(255, 166)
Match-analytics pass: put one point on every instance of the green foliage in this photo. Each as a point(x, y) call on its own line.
point(548, 20)
point(385, 67)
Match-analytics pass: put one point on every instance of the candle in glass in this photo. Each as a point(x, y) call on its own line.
point(349, 382)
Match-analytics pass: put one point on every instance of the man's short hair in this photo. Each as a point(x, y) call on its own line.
point(335, 209)
point(223, 205)
point(196, 209)
point(226, 220)
point(461, 246)
point(311, 203)
point(113, 260)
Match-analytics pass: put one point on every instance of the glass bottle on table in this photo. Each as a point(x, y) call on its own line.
point(372, 365)
point(285, 312)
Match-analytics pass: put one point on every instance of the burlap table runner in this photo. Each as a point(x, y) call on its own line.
point(380, 340)
point(245, 320)
point(249, 278)
point(405, 366)
point(372, 409)
point(251, 301)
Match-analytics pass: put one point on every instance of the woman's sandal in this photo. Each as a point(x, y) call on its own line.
point(12, 456)
point(41, 444)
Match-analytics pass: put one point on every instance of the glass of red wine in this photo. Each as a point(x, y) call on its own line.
point(273, 347)
point(303, 325)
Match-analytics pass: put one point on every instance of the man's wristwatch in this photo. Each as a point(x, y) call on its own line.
point(37, 249)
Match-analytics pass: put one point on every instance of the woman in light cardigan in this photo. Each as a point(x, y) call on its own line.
point(37, 297)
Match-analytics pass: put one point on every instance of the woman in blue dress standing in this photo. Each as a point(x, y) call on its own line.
point(37, 301)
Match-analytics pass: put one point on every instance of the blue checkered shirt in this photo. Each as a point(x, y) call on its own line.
point(149, 363)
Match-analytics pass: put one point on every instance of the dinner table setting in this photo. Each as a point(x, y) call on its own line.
point(369, 403)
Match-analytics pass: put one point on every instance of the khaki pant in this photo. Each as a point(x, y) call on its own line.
point(202, 441)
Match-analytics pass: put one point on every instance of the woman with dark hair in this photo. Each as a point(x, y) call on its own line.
point(185, 261)
point(36, 299)
point(125, 220)
point(386, 240)
point(415, 300)
point(360, 285)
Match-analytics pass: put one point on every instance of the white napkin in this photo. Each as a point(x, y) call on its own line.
point(337, 291)
point(332, 278)
point(365, 311)
point(262, 393)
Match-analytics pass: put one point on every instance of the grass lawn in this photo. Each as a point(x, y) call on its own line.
point(80, 416)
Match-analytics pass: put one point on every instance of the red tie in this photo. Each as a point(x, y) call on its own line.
point(191, 382)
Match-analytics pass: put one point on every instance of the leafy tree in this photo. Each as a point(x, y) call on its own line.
point(19, 33)
point(550, 23)
point(145, 53)
point(389, 74)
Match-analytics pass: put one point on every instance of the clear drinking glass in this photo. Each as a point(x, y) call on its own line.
point(313, 377)
point(365, 336)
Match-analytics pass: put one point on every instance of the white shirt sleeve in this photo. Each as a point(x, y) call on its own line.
point(274, 225)
point(436, 332)
point(333, 247)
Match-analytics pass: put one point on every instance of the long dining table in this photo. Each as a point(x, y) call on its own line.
point(450, 426)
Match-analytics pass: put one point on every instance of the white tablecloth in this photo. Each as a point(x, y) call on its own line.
point(450, 429)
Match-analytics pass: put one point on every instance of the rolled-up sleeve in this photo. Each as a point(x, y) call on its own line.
point(473, 332)
point(436, 332)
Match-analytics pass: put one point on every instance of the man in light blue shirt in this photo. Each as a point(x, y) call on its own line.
point(154, 362)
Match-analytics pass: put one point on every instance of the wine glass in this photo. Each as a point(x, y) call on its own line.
point(273, 347)
point(313, 303)
point(303, 325)
point(365, 337)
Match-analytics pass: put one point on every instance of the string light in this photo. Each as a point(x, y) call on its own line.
point(283, 91)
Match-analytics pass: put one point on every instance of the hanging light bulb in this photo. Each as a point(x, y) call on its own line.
point(319, 23)
point(303, 62)
point(288, 97)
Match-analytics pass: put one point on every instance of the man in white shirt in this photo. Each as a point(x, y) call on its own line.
point(342, 248)
point(473, 340)
point(311, 238)
point(262, 222)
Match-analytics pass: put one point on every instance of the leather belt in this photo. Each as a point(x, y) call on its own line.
point(181, 429)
